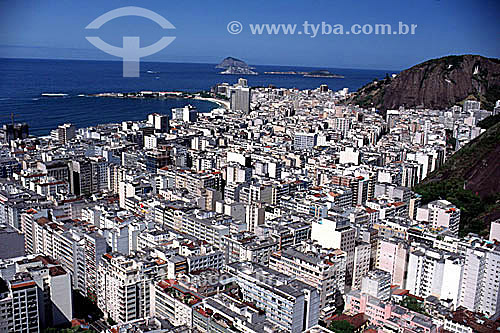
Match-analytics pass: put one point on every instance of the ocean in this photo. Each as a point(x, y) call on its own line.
point(22, 81)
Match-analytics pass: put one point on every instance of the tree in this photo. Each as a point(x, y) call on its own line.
point(111, 322)
point(341, 326)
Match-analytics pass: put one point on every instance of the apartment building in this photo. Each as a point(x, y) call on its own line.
point(19, 305)
point(336, 233)
point(392, 257)
point(124, 285)
point(440, 214)
point(388, 317)
point(171, 301)
point(52, 285)
point(289, 303)
point(480, 288)
point(434, 272)
point(377, 283)
point(361, 266)
point(324, 271)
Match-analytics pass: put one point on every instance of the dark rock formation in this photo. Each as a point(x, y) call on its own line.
point(232, 62)
point(438, 83)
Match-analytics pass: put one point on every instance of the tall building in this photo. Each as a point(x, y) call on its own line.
point(495, 230)
point(342, 124)
point(434, 272)
point(88, 175)
point(124, 285)
point(12, 242)
point(64, 133)
point(14, 131)
point(480, 288)
point(52, 285)
point(377, 283)
point(95, 247)
point(188, 114)
point(80, 177)
point(362, 255)
point(289, 303)
point(392, 257)
point(236, 173)
point(255, 216)
point(470, 105)
point(337, 235)
point(304, 141)
point(324, 271)
point(19, 305)
point(440, 214)
point(160, 122)
point(172, 301)
point(8, 167)
point(240, 96)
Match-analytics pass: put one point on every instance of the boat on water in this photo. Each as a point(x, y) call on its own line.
point(54, 94)
point(152, 72)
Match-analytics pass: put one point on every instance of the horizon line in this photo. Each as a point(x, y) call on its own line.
point(196, 62)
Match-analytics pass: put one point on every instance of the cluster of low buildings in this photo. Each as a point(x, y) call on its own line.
point(283, 211)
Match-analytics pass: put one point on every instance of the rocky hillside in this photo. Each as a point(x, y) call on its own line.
point(437, 83)
point(470, 179)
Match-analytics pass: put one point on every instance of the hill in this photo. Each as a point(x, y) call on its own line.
point(437, 83)
point(470, 179)
point(232, 62)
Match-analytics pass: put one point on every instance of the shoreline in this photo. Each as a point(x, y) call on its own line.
point(162, 95)
point(225, 104)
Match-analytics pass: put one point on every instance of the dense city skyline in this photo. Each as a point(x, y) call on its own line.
point(249, 167)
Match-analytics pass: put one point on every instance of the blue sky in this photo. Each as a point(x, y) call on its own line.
point(55, 29)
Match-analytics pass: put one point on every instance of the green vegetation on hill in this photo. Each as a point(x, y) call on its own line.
point(469, 180)
point(489, 122)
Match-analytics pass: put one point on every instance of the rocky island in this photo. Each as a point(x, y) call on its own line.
point(318, 73)
point(323, 73)
point(235, 66)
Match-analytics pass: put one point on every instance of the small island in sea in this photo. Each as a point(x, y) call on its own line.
point(235, 66)
point(323, 73)
point(318, 73)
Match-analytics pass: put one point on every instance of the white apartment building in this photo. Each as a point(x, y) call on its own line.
point(440, 214)
point(377, 283)
point(336, 234)
point(392, 258)
point(362, 255)
point(434, 272)
point(480, 288)
point(52, 284)
point(289, 303)
point(124, 285)
point(173, 302)
point(206, 226)
point(324, 271)
point(304, 141)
